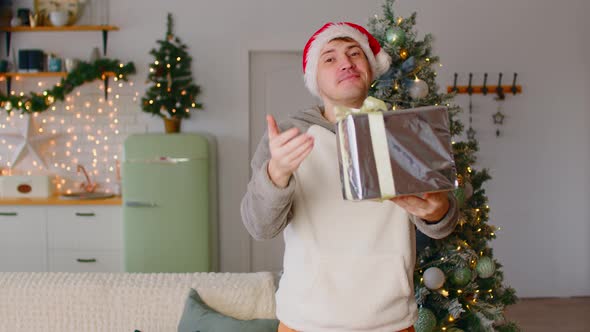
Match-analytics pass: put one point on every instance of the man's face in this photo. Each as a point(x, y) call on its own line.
point(344, 73)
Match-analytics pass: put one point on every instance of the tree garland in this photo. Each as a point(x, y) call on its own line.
point(85, 72)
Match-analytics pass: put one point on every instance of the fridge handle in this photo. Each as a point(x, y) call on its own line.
point(139, 204)
point(162, 160)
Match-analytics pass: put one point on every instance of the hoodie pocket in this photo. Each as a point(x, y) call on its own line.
point(362, 292)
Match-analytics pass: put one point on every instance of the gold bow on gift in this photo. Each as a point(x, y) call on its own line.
point(371, 104)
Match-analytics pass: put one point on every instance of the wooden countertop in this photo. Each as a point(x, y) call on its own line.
point(55, 200)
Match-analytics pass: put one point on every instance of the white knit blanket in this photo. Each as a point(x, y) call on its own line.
point(125, 301)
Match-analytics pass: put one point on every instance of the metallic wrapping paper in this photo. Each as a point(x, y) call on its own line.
point(395, 153)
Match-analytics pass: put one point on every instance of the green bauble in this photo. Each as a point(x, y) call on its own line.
point(485, 267)
point(395, 36)
point(460, 195)
point(426, 321)
point(461, 276)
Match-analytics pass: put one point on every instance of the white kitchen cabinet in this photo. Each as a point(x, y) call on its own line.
point(23, 239)
point(85, 239)
point(68, 238)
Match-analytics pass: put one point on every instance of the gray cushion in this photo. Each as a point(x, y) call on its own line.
point(199, 317)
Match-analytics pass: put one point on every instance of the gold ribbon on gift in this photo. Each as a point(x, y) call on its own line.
point(373, 107)
point(371, 104)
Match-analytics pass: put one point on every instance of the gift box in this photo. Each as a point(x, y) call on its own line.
point(384, 154)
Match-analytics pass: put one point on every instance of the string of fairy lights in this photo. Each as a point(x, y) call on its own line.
point(84, 129)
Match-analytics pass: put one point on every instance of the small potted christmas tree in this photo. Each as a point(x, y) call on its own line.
point(172, 92)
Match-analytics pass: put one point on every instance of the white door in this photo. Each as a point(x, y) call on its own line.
point(276, 87)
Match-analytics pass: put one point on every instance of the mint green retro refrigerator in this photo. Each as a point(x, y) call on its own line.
point(169, 203)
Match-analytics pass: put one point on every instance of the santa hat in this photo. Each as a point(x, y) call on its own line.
point(379, 60)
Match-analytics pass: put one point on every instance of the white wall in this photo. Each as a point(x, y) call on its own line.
point(539, 194)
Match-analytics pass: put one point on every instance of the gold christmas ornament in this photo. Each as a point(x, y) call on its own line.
point(403, 53)
point(460, 179)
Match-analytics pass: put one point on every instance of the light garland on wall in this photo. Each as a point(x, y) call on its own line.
point(89, 132)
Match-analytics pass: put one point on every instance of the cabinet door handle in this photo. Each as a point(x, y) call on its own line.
point(82, 214)
point(87, 260)
point(8, 214)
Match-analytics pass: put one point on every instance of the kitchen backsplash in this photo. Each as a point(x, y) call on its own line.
point(85, 129)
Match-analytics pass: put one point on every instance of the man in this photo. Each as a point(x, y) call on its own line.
point(348, 266)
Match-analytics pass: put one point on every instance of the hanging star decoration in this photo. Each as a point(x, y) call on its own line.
point(499, 118)
point(31, 139)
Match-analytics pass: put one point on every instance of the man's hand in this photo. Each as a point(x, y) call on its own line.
point(287, 150)
point(432, 207)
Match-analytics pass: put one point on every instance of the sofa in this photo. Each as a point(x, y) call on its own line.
point(126, 302)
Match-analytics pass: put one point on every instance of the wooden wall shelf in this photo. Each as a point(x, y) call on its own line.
point(64, 28)
point(104, 28)
point(39, 74)
point(45, 74)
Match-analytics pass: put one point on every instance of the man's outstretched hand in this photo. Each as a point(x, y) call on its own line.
point(431, 207)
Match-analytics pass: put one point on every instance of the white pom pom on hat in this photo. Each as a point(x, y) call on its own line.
point(378, 59)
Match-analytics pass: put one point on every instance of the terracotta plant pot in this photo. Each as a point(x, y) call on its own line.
point(172, 125)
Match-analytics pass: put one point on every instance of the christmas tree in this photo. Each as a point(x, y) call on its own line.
point(458, 283)
point(172, 92)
